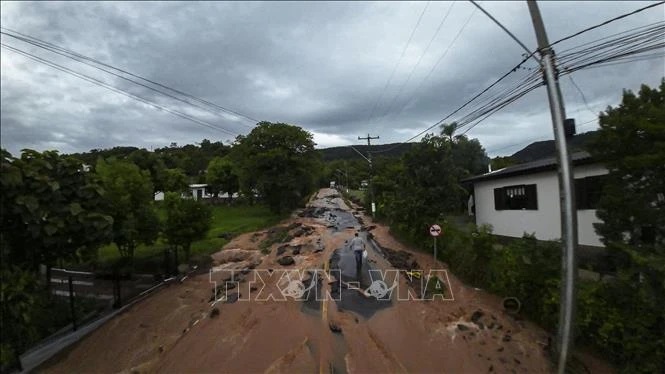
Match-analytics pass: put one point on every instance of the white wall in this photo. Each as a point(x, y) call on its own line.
point(544, 222)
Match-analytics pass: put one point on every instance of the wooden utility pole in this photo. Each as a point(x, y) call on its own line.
point(369, 159)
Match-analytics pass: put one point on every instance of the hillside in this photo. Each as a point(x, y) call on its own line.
point(547, 148)
point(347, 153)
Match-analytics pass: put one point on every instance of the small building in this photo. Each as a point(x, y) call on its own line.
point(199, 191)
point(525, 199)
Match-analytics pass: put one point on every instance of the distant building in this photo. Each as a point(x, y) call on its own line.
point(199, 191)
point(525, 199)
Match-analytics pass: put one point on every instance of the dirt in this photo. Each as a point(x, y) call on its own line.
point(179, 329)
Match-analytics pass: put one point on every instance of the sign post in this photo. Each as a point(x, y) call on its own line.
point(435, 230)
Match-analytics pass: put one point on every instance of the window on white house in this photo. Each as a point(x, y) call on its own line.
point(588, 191)
point(517, 197)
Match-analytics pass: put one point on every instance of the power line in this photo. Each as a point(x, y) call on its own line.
point(68, 51)
point(82, 61)
point(528, 51)
point(581, 94)
point(392, 74)
point(606, 22)
point(401, 89)
point(114, 89)
point(441, 57)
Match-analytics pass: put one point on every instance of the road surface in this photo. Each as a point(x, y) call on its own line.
point(340, 325)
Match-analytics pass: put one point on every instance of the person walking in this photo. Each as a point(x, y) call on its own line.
point(358, 246)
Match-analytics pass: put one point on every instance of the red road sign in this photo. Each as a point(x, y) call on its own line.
point(435, 230)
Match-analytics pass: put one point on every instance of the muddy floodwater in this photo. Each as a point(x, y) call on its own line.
point(340, 323)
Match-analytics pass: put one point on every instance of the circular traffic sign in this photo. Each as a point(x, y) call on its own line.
point(435, 230)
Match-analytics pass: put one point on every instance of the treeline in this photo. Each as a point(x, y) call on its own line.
point(61, 208)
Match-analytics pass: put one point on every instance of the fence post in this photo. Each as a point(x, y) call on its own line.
point(71, 302)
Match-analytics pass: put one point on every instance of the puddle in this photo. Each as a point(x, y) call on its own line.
point(353, 295)
point(311, 306)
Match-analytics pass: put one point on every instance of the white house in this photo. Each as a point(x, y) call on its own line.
point(198, 191)
point(525, 199)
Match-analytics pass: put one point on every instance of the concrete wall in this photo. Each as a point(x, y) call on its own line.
point(545, 222)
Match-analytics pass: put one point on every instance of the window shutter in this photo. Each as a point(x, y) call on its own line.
point(499, 196)
point(531, 197)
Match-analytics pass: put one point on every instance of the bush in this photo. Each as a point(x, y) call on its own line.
point(623, 319)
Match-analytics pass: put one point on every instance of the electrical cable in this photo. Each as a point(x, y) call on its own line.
point(392, 74)
point(68, 51)
point(114, 89)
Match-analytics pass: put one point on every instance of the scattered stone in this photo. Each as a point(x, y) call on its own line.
point(298, 233)
point(503, 360)
point(253, 288)
point(518, 362)
point(214, 313)
point(357, 320)
point(476, 316)
point(491, 325)
point(483, 343)
point(461, 327)
point(143, 325)
point(286, 261)
point(506, 338)
point(244, 271)
point(160, 349)
point(281, 250)
point(472, 333)
point(296, 250)
point(230, 286)
point(334, 327)
point(232, 298)
point(500, 349)
point(491, 369)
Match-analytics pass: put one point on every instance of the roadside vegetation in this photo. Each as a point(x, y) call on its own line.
point(97, 211)
point(622, 316)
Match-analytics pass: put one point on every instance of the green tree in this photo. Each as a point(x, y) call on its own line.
point(174, 180)
point(151, 162)
point(631, 143)
point(279, 162)
point(130, 196)
point(51, 210)
point(221, 177)
point(187, 220)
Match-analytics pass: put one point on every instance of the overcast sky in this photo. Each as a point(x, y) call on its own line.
point(319, 65)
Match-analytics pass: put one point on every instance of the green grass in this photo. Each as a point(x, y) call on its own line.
point(357, 194)
point(234, 219)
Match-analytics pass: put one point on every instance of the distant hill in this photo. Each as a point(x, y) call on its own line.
point(547, 148)
point(347, 153)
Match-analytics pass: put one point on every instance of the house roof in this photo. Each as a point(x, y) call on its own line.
point(546, 164)
point(197, 185)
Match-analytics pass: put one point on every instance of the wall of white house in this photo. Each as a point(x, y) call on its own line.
point(545, 222)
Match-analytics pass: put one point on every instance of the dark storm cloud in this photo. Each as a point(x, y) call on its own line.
point(320, 65)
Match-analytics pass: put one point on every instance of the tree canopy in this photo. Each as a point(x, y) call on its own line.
point(51, 209)
point(222, 177)
point(278, 161)
point(129, 193)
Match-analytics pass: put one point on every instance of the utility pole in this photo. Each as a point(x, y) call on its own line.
point(369, 159)
point(566, 191)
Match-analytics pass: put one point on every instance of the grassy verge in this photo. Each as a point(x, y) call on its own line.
point(227, 222)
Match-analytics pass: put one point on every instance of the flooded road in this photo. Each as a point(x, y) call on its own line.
point(288, 300)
